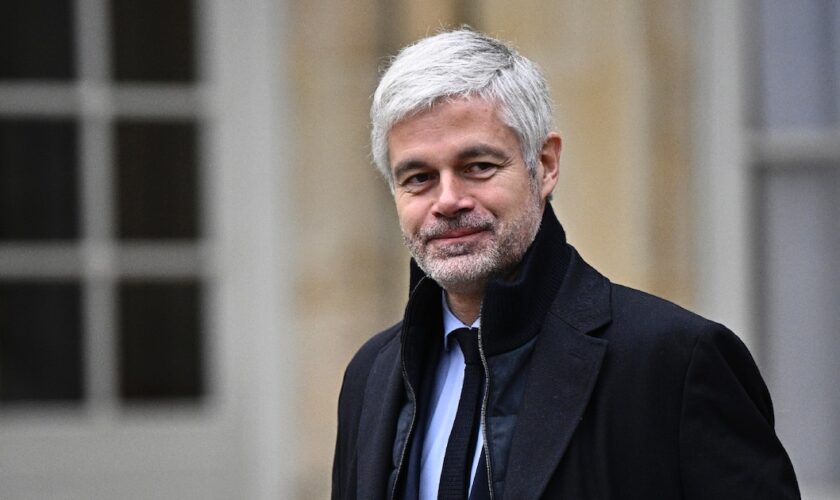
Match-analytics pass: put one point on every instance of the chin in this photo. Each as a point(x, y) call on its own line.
point(462, 277)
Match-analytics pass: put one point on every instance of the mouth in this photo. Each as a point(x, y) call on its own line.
point(458, 235)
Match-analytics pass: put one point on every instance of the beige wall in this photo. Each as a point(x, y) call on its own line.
point(619, 73)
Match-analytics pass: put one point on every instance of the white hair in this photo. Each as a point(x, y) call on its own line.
point(462, 63)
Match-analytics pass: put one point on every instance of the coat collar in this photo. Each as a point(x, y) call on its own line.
point(378, 422)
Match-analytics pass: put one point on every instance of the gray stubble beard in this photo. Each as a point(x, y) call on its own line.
point(471, 266)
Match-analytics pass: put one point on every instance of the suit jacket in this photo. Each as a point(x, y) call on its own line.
point(625, 396)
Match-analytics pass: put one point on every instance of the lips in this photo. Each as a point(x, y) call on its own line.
point(456, 234)
point(463, 229)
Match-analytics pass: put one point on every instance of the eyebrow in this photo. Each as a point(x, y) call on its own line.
point(467, 153)
point(482, 150)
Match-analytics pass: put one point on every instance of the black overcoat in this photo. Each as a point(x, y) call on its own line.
point(627, 396)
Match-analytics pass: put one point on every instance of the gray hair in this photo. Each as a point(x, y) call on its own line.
point(462, 63)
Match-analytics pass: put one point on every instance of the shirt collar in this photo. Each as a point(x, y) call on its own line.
point(451, 322)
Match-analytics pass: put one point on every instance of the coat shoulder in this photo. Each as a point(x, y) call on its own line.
point(649, 315)
point(643, 323)
point(357, 370)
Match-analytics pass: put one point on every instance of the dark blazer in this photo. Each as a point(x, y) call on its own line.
point(627, 396)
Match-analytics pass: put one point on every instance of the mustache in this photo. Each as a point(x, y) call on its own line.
point(471, 221)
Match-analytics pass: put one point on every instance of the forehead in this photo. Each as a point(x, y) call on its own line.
point(451, 124)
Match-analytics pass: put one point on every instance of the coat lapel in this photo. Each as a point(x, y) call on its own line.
point(385, 388)
point(382, 402)
point(563, 372)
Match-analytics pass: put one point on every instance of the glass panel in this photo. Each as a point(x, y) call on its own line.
point(40, 342)
point(157, 184)
point(37, 39)
point(797, 64)
point(153, 40)
point(38, 180)
point(160, 340)
point(800, 271)
point(835, 51)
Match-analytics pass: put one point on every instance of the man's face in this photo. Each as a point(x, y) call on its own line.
point(467, 206)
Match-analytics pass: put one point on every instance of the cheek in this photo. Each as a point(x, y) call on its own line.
point(410, 216)
point(502, 204)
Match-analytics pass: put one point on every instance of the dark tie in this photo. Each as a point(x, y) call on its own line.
point(455, 475)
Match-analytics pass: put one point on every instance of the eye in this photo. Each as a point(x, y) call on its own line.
point(416, 181)
point(480, 169)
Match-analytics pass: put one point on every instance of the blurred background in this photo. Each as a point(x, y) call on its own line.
point(193, 241)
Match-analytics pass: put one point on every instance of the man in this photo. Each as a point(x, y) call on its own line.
point(519, 372)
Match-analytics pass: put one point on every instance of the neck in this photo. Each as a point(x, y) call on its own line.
point(465, 299)
point(465, 306)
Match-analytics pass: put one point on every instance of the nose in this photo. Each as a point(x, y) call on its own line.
point(452, 197)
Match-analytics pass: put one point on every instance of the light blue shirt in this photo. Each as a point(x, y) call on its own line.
point(447, 391)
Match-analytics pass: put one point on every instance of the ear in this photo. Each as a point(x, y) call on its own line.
point(549, 164)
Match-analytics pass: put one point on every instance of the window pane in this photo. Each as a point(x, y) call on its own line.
point(797, 64)
point(36, 39)
point(153, 40)
point(800, 271)
point(40, 342)
point(160, 340)
point(38, 180)
point(157, 184)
